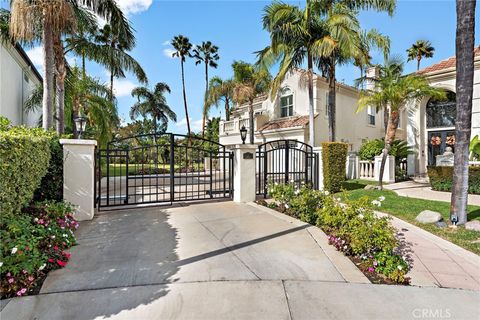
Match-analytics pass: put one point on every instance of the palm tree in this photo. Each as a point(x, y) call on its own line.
point(152, 103)
point(183, 46)
point(45, 20)
point(4, 25)
point(221, 90)
point(249, 83)
point(393, 91)
point(465, 41)
point(293, 34)
point(420, 49)
point(206, 53)
point(112, 53)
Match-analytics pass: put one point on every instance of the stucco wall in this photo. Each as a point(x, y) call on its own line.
point(14, 89)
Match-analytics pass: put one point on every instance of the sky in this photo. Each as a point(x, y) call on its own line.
point(236, 28)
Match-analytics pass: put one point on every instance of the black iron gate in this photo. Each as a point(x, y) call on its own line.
point(286, 161)
point(162, 168)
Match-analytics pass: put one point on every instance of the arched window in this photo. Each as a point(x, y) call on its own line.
point(286, 103)
point(441, 113)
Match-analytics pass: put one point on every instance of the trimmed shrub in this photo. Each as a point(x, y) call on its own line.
point(51, 186)
point(24, 159)
point(334, 159)
point(441, 178)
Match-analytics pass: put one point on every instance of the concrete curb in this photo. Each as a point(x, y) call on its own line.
point(344, 266)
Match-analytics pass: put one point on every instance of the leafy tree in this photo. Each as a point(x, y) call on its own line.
point(394, 91)
point(420, 49)
point(249, 83)
point(183, 46)
point(153, 104)
point(220, 90)
point(207, 54)
point(465, 41)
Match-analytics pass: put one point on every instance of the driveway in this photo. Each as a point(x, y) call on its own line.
point(220, 260)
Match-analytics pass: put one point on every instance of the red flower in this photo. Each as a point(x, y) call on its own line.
point(55, 248)
point(61, 263)
point(50, 260)
point(66, 255)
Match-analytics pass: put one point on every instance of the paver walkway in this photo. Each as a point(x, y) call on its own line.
point(418, 190)
point(220, 261)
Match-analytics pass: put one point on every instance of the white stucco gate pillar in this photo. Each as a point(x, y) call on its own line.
point(244, 172)
point(318, 150)
point(79, 176)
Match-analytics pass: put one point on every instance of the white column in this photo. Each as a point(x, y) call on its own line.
point(353, 166)
point(79, 176)
point(244, 172)
point(318, 150)
point(389, 172)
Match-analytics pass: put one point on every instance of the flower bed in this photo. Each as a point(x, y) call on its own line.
point(33, 243)
point(352, 227)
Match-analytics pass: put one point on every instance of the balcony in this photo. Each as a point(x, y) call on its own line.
point(233, 126)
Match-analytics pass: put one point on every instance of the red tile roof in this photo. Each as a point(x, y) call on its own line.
point(445, 64)
point(285, 123)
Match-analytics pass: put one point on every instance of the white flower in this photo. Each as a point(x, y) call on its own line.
point(338, 199)
point(297, 192)
point(381, 198)
point(42, 267)
point(53, 237)
point(360, 216)
point(326, 192)
point(65, 235)
point(376, 203)
point(286, 206)
point(14, 249)
point(399, 267)
point(36, 219)
point(1, 263)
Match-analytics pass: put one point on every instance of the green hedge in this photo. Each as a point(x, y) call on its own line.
point(441, 178)
point(51, 186)
point(24, 159)
point(334, 159)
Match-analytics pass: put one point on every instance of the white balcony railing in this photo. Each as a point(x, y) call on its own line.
point(233, 126)
point(367, 170)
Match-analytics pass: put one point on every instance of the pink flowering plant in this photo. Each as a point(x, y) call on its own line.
point(33, 243)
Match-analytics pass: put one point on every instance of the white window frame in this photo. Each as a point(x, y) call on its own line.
point(371, 115)
point(287, 93)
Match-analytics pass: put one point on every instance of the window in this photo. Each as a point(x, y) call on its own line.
point(286, 106)
point(442, 113)
point(371, 115)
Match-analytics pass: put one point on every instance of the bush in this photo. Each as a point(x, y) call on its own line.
point(370, 149)
point(33, 242)
point(24, 159)
point(51, 186)
point(441, 178)
point(334, 158)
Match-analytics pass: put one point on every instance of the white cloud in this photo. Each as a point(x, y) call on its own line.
point(195, 125)
point(123, 87)
point(168, 52)
point(36, 55)
point(166, 43)
point(134, 6)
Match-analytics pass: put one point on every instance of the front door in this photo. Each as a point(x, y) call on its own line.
point(438, 141)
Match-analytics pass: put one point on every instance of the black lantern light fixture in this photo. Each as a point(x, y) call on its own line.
point(243, 134)
point(80, 125)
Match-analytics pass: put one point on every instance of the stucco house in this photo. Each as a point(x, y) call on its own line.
point(430, 125)
point(18, 77)
point(286, 115)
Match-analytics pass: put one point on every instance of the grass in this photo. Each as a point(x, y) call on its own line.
point(408, 208)
point(120, 169)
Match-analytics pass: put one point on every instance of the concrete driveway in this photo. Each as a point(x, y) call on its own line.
point(220, 260)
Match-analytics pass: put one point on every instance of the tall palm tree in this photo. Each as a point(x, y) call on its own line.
point(249, 83)
point(420, 49)
point(183, 46)
point(206, 53)
point(393, 91)
point(152, 103)
point(293, 34)
point(4, 25)
point(221, 90)
point(113, 54)
point(465, 41)
point(45, 20)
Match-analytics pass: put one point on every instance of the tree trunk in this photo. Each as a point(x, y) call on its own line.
point(385, 118)
point(419, 58)
point(112, 45)
point(250, 120)
point(311, 110)
point(185, 101)
point(60, 84)
point(465, 41)
point(389, 137)
point(227, 110)
point(48, 74)
point(331, 101)
point(205, 100)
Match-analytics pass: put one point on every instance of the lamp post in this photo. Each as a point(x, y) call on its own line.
point(243, 134)
point(80, 125)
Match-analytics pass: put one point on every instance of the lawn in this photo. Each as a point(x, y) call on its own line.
point(408, 208)
point(120, 169)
